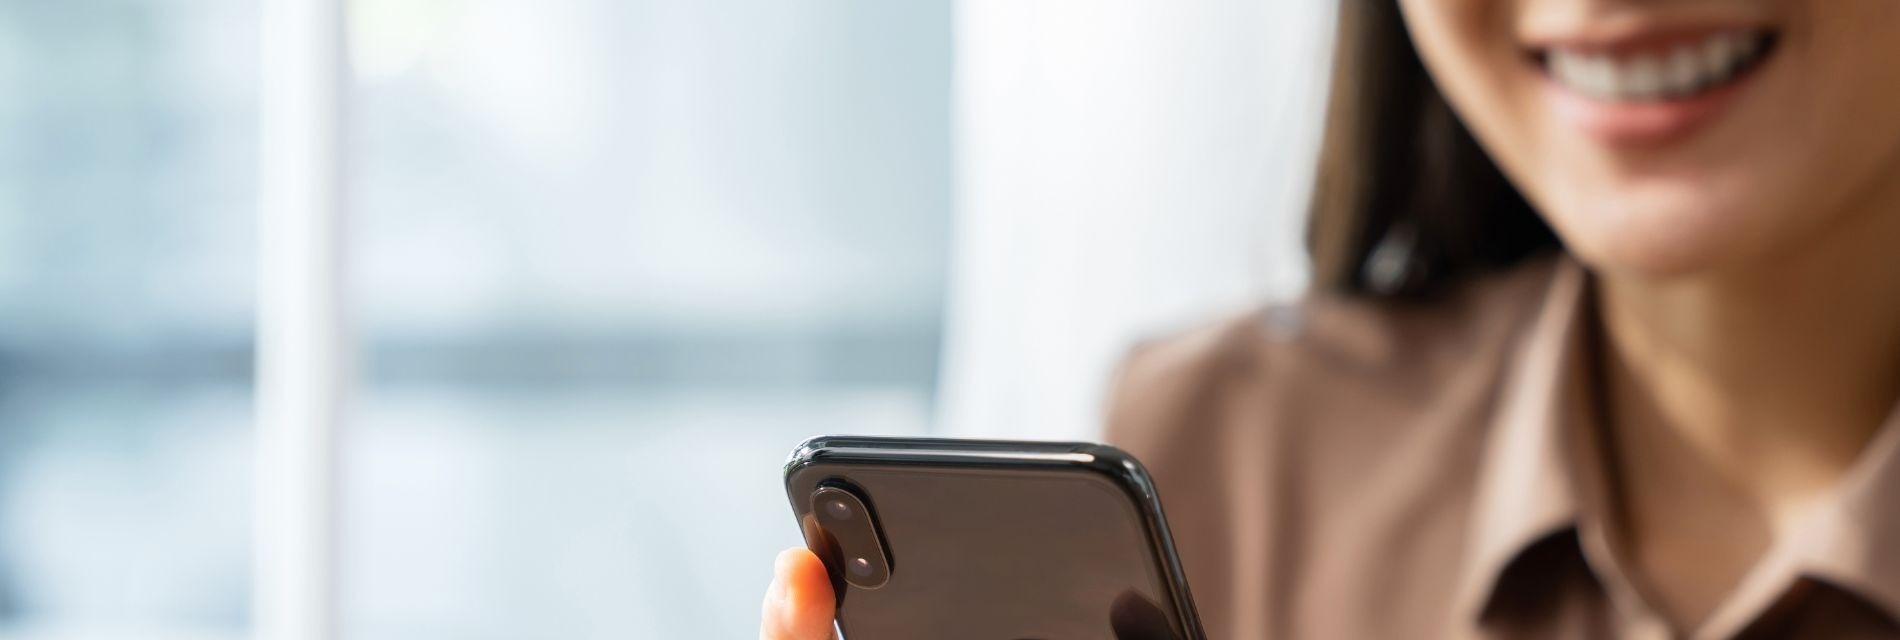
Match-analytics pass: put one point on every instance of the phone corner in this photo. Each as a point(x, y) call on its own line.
point(1122, 465)
point(802, 455)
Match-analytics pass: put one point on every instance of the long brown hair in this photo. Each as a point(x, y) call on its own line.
point(1405, 202)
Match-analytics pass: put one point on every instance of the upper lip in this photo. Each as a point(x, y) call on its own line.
point(1633, 33)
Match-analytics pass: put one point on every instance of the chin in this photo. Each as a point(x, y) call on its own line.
point(1646, 258)
point(1654, 240)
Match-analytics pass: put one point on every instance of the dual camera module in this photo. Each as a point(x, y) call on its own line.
point(855, 548)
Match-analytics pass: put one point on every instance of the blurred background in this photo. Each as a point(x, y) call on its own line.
point(608, 260)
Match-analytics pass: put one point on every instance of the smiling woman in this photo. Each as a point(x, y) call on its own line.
point(1678, 415)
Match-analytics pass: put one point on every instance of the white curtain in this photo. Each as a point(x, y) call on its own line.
point(1125, 168)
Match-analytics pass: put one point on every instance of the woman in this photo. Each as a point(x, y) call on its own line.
point(1664, 420)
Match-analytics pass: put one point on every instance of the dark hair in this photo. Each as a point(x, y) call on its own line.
point(1404, 200)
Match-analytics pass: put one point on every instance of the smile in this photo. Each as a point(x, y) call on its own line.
point(1652, 90)
point(1681, 70)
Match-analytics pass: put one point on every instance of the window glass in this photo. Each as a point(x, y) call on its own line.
point(610, 260)
point(613, 259)
point(127, 134)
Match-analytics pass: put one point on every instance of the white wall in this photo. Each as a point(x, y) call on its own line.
point(1125, 168)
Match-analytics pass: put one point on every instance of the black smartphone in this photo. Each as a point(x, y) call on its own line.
point(944, 539)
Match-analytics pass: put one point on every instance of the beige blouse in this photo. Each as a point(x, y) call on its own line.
point(1351, 468)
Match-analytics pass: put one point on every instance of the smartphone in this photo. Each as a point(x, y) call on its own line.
point(944, 539)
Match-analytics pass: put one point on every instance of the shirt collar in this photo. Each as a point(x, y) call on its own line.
point(1853, 545)
point(1541, 469)
point(1526, 487)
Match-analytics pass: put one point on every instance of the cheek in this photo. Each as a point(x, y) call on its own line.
point(1472, 55)
point(1470, 51)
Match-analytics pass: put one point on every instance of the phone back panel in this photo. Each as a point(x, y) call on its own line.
point(1001, 541)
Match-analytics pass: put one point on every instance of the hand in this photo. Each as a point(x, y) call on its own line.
point(799, 605)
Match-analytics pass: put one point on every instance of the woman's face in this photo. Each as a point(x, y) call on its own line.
point(1671, 137)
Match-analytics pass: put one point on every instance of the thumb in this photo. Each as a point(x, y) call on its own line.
point(799, 605)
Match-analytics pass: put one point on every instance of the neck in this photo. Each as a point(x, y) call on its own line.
point(1775, 376)
point(1737, 400)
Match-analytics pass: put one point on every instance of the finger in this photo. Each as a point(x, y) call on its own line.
point(799, 605)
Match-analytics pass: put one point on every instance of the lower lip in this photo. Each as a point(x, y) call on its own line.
point(1646, 123)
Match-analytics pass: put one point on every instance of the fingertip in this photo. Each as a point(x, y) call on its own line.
point(809, 585)
point(789, 562)
point(799, 603)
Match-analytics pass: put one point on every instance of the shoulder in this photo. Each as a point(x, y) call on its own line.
point(1348, 354)
point(1350, 421)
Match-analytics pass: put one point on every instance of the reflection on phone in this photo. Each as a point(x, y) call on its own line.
point(1135, 617)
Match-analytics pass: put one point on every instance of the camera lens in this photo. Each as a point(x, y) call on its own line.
point(838, 509)
point(848, 525)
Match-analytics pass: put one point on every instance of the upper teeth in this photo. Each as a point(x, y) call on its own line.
point(1655, 75)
